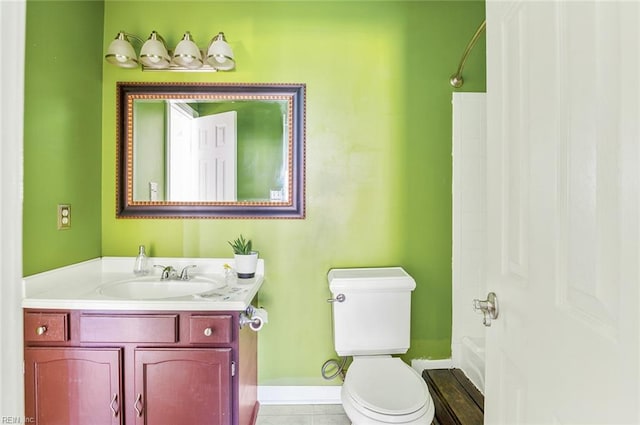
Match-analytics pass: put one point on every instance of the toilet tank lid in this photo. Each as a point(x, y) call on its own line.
point(379, 278)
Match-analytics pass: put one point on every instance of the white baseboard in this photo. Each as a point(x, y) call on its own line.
point(299, 394)
point(422, 364)
point(280, 394)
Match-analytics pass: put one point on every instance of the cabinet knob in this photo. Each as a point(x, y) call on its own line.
point(208, 332)
point(40, 330)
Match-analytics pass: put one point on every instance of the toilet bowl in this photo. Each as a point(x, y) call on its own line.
point(371, 321)
point(384, 390)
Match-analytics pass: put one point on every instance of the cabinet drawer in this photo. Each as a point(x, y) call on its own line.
point(45, 327)
point(129, 328)
point(210, 329)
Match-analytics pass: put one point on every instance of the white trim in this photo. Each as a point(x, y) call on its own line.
point(469, 213)
point(280, 394)
point(456, 356)
point(299, 394)
point(12, 40)
point(422, 364)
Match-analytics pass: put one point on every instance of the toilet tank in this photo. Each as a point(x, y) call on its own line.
point(375, 316)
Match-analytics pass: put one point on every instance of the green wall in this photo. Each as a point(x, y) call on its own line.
point(62, 132)
point(149, 157)
point(378, 156)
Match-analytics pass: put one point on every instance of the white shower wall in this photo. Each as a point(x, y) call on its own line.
point(469, 214)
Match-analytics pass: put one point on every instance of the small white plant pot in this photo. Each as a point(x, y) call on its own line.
point(246, 265)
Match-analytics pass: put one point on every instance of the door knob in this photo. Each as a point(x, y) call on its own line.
point(488, 307)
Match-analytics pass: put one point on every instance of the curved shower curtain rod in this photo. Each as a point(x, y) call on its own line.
point(456, 79)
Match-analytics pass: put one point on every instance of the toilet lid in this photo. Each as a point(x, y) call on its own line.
point(386, 385)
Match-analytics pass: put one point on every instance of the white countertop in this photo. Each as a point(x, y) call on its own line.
point(78, 286)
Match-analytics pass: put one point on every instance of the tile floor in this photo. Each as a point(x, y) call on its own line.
point(302, 414)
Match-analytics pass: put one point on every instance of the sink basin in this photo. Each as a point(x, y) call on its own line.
point(152, 288)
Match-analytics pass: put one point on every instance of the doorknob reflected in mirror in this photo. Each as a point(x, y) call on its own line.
point(488, 307)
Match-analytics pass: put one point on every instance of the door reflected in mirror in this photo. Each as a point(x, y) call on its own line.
point(211, 150)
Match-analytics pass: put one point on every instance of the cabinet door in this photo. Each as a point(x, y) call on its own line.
point(73, 386)
point(182, 386)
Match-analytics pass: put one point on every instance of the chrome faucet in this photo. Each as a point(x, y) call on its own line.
point(169, 273)
point(184, 274)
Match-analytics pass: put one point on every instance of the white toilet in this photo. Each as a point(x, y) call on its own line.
point(371, 321)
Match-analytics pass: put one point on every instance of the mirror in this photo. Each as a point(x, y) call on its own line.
point(200, 150)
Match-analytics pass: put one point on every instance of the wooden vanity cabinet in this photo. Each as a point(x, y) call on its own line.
point(183, 386)
point(73, 385)
point(139, 368)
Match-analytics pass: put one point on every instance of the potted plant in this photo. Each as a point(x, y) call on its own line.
point(245, 258)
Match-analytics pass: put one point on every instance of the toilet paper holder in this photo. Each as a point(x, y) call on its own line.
point(253, 318)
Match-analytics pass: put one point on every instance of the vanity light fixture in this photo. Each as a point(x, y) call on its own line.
point(187, 53)
point(219, 54)
point(187, 56)
point(153, 53)
point(121, 53)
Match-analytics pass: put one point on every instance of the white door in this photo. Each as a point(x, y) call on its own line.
point(201, 156)
point(216, 140)
point(562, 205)
point(181, 172)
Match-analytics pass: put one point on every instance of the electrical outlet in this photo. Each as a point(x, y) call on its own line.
point(64, 216)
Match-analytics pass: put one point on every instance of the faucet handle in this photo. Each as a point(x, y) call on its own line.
point(168, 272)
point(184, 274)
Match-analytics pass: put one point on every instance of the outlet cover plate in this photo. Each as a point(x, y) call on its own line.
point(64, 216)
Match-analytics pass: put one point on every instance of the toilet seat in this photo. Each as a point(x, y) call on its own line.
point(387, 390)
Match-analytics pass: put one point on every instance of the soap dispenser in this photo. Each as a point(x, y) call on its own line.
point(141, 266)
